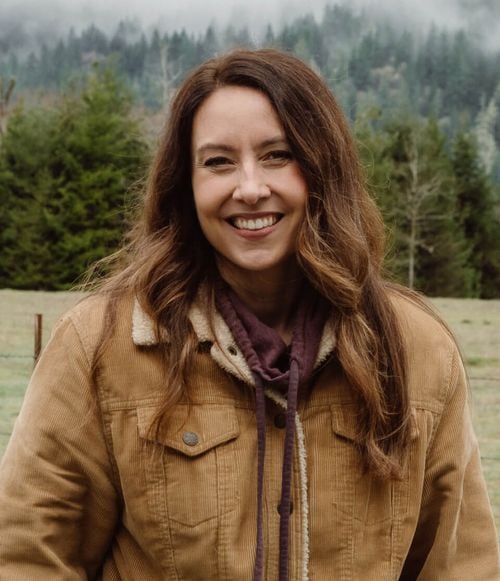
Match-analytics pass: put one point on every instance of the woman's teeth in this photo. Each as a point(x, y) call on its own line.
point(257, 224)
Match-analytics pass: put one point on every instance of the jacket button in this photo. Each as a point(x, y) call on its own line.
point(280, 421)
point(190, 438)
point(232, 349)
point(278, 508)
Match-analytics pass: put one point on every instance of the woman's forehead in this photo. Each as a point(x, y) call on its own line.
point(232, 112)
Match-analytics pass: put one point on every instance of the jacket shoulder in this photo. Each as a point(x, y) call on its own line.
point(434, 360)
point(96, 315)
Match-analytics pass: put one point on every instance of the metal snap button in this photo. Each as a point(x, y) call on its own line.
point(190, 438)
point(280, 421)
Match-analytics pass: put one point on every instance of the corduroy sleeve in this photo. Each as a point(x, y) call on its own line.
point(455, 537)
point(58, 505)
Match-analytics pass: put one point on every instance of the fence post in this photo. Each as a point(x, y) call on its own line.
point(38, 337)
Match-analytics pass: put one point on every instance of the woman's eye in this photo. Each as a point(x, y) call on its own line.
point(218, 161)
point(279, 156)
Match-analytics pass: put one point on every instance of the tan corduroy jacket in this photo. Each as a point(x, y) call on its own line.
point(87, 493)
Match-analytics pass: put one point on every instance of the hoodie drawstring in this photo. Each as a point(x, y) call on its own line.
point(261, 452)
point(286, 479)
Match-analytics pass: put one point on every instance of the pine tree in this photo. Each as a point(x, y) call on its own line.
point(99, 154)
point(443, 254)
point(477, 213)
point(6, 90)
point(413, 182)
point(64, 176)
point(26, 186)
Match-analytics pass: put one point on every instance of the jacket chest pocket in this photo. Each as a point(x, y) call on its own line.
point(367, 498)
point(191, 461)
point(362, 496)
point(355, 516)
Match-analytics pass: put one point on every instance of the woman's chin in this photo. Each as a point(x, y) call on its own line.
point(256, 265)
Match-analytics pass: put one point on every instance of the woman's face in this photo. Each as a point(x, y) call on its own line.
point(249, 192)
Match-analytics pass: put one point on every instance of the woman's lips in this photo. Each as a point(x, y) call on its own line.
point(255, 226)
point(254, 222)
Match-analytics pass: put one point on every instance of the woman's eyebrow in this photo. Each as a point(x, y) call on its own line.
point(207, 147)
point(278, 139)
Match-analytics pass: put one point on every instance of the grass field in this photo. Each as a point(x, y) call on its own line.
point(476, 324)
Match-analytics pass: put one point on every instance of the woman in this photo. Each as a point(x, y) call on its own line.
point(246, 396)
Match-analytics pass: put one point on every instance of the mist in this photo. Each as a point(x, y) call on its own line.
point(34, 21)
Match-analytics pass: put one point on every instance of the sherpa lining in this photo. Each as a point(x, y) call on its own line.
point(224, 349)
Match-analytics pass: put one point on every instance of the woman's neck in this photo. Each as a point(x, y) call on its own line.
point(271, 295)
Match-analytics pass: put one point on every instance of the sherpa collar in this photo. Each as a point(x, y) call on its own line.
point(223, 350)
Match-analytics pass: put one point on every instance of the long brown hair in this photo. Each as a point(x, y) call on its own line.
point(340, 246)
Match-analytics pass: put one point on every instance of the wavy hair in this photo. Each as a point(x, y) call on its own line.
point(340, 246)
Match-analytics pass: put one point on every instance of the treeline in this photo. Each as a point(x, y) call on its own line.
point(367, 62)
point(65, 170)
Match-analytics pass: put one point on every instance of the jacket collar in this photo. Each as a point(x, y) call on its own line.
point(215, 330)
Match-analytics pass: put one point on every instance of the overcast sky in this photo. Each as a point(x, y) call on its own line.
point(195, 15)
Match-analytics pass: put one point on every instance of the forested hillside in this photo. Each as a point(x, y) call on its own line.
point(438, 72)
point(424, 106)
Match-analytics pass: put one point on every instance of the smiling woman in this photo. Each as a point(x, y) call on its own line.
point(245, 396)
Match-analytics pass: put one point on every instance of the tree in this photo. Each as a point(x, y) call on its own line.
point(269, 38)
point(99, 154)
point(477, 214)
point(26, 185)
point(208, 46)
point(485, 134)
point(441, 251)
point(6, 89)
point(64, 176)
point(413, 180)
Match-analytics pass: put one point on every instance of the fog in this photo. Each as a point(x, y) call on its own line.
point(49, 19)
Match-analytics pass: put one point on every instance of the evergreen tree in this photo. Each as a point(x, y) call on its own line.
point(6, 91)
point(208, 46)
point(413, 180)
point(485, 134)
point(269, 38)
point(477, 213)
point(99, 154)
point(443, 253)
point(64, 175)
point(26, 187)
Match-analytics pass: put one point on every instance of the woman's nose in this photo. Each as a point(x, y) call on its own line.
point(251, 187)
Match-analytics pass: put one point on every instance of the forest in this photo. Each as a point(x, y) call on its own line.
point(79, 118)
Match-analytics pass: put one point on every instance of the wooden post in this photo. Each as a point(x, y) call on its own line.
point(38, 337)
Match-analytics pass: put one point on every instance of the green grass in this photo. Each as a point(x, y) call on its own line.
point(482, 361)
point(476, 324)
point(17, 311)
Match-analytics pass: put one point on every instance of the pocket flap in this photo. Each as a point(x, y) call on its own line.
point(191, 429)
point(344, 422)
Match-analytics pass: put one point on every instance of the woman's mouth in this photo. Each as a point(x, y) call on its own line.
point(257, 223)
